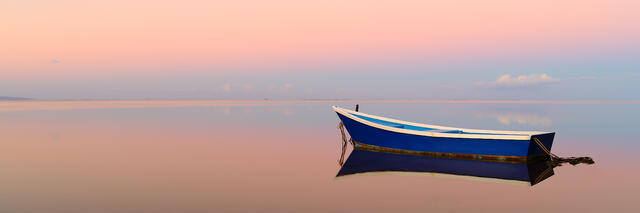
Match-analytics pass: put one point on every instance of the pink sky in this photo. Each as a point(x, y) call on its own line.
point(107, 35)
point(286, 49)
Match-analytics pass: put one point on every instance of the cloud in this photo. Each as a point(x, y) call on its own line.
point(54, 61)
point(247, 87)
point(226, 87)
point(586, 78)
point(508, 81)
point(280, 88)
point(448, 86)
point(509, 118)
point(534, 120)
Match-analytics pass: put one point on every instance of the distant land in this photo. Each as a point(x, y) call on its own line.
point(7, 98)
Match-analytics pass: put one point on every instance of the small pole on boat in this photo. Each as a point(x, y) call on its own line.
point(357, 106)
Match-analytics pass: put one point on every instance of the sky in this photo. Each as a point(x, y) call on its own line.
point(287, 49)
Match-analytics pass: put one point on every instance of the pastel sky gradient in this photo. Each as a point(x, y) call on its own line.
point(494, 49)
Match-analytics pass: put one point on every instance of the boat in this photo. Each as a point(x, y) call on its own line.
point(362, 162)
point(396, 136)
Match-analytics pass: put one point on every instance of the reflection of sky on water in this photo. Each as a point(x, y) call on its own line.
point(239, 157)
point(533, 120)
point(519, 118)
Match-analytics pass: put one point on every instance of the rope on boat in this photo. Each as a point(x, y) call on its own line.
point(558, 161)
point(544, 148)
point(344, 143)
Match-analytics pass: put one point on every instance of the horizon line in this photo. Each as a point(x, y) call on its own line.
point(319, 100)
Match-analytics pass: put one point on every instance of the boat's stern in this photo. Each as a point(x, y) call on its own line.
point(540, 145)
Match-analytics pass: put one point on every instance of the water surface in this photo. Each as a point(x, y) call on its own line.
point(282, 156)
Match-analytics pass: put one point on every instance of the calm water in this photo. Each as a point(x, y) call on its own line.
point(243, 156)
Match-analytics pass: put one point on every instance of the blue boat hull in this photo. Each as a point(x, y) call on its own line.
point(497, 149)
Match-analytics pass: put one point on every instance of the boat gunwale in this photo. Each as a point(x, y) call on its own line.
point(489, 134)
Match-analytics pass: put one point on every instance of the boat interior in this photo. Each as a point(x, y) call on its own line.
point(423, 127)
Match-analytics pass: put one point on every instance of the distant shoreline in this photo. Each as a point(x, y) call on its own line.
point(8, 98)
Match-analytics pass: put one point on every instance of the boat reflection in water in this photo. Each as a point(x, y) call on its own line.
point(367, 162)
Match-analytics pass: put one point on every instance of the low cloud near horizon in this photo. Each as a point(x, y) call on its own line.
point(508, 81)
point(247, 87)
